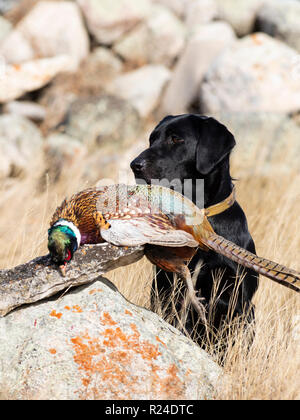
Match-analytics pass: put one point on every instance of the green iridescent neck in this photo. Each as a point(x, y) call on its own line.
point(62, 243)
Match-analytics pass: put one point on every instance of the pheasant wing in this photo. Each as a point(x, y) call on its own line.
point(146, 229)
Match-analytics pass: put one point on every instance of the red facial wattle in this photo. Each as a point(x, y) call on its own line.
point(69, 256)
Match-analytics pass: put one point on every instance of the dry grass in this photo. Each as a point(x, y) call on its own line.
point(270, 369)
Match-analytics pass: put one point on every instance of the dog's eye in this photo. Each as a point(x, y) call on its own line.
point(176, 140)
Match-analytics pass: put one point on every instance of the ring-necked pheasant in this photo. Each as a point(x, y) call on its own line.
point(169, 225)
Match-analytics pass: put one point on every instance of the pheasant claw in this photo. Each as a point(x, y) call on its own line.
point(195, 300)
point(63, 268)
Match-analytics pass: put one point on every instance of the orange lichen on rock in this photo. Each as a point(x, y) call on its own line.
point(111, 365)
point(86, 348)
point(76, 309)
point(128, 312)
point(159, 340)
point(56, 315)
point(106, 319)
point(169, 384)
point(52, 351)
point(91, 292)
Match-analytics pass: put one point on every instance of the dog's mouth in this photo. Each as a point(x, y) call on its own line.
point(141, 178)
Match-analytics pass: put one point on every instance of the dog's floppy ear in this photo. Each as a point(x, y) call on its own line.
point(215, 142)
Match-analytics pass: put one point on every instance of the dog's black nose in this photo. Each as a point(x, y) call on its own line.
point(138, 164)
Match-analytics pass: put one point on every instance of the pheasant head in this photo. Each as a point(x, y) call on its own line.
point(63, 241)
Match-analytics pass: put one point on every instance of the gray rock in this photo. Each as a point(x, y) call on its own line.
point(267, 143)
point(65, 34)
point(27, 109)
point(199, 13)
point(281, 19)
point(62, 154)
point(176, 6)
point(204, 11)
point(192, 65)
point(5, 27)
point(239, 14)
point(20, 146)
point(39, 278)
point(142, 87)
point(16, 48)
point(93, 344)
point(103, 120)
point(17, 79)
point(108, 20)
point(102, 64)
point(100, 67)
point(253, 74)
point(158, 40)
point(133, 47)
point(6, 5)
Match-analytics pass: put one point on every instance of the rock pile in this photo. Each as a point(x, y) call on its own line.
point(155, 57)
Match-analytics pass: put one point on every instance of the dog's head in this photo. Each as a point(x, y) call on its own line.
point(182, 147)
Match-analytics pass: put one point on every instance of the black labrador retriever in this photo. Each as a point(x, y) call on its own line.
point(193, 147)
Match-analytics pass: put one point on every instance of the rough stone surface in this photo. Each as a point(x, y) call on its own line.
point(63, 153)
point(95, 72)
point(159, 40)
point(93, 344)
point(102, 65)
point(6, 5)
point(199, 12)
point(108, 20)
point(239, 14)
point(15, 48)
point(20, 146)
point(192, 65)
point(176, 6)
point(17, 79)
point(253, 74)
point(30, 40)
point(142, 87)
point(5, 27)
point(39, 278)
point(102, 120)
point(26, 109)
point(266, 142)
point(281, 19)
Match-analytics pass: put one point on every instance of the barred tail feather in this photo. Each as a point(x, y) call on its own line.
point(277, 272)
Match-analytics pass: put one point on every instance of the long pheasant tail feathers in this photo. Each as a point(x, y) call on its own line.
point(277, 272)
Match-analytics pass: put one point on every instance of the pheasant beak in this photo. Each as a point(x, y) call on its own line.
point(63, 268)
